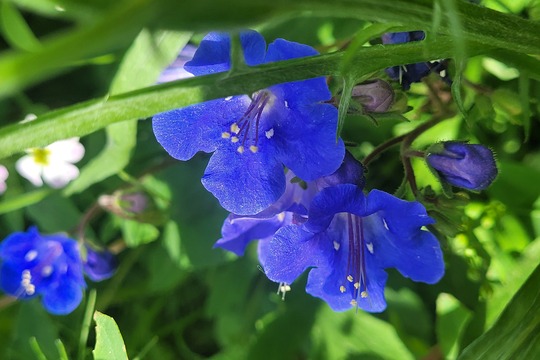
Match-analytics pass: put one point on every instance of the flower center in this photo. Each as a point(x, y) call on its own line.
point(356, 280)
point(245, 131)
point(35, 273)
point(41, 156)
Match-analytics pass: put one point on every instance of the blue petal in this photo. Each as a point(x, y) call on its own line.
point(281, 49)
point(14, 248)
point(291, 251)
point(10, 282)
point(306, 138)
point(332, 200)
point(99, 265)
point(351, 171)
point(244, 184)
point(214, 52)
point(326, 280)
point(238, 231)
point(324, 283)
point(398, 241)
point(184, 132)
point(62, 298)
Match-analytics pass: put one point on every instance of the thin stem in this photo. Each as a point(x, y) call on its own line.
point(87, 320)
point(382, 147)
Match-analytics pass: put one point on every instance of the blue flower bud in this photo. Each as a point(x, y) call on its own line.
point(469, 166)
point(99, 265)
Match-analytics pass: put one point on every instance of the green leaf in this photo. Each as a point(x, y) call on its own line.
point(109, 342)
point(23, 200)
point(355, 335)
point(516, 334)
point(141, 66)
point(62, 354)
point(30, 314)
point(15, 28)
point(119, 25)
point(515, 278)
point(137, 234)
point(86, 322)
point(87, 117)
point(36, 349)
point(452, 317)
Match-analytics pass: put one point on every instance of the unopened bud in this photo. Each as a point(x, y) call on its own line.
point(98, 265)
point(374, 96)
point(469, 166)
point(133, 204)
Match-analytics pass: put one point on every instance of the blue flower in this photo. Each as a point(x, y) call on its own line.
point(176, 71)
point(292, 208)
point(469, 166)
point(254, 137)
point(411, 73)
point(46, 265)
point(98, 265)
point(349, 240)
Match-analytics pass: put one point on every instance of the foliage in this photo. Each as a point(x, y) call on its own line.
point(88, 69)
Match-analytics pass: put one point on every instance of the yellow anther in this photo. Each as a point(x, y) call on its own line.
point(350, 278)
point(356, 285)
point(342, 289)
point(240, 149)
point(225, 135)
point(363, 294)
point(354, 302)
point(235, 128)
point(234, 139)
point(254, 148)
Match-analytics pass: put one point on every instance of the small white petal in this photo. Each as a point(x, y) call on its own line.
point(70, 150)
point(3, 176)
point(3, 173)
point(27, 167)
point(59, 174)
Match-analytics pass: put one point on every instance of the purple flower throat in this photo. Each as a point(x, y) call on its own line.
point(241, 131)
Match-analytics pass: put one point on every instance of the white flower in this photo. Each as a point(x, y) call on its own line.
point(3, 176)
point(52, 164)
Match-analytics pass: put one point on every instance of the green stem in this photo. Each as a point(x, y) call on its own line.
point(87, 320)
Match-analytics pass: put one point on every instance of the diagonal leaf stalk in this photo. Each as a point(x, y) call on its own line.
point(118, 27)
point(84, 118)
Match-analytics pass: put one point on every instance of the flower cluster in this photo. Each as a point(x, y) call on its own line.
point(52, 267)
point(277, 167)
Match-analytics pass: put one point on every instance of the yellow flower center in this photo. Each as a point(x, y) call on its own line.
point(41, 156)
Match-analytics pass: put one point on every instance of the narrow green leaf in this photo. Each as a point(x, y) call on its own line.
point(62, 354)
point(36, 349)
point(516, 334)
point(109, 342)
point(344, 102)
point(452, 317)
point(117, 28)
point(15, 28)
point(142, 64)
point(360, 39)
point(84, 118)
point(24, 200)
point(87, 320)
